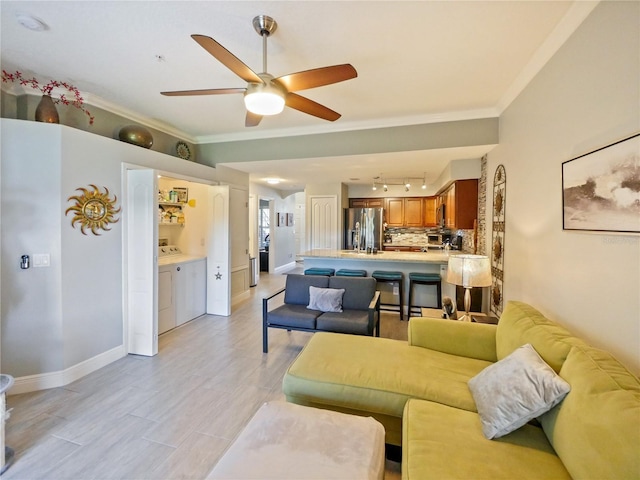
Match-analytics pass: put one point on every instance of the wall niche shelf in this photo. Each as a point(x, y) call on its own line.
point(168, 210)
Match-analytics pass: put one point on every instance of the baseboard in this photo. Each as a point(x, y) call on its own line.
point(285, 268)
point(43, 381)
point(240, 297)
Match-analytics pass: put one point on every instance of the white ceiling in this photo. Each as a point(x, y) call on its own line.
point(417, 62)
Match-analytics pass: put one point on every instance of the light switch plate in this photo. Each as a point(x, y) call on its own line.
point(41, 260)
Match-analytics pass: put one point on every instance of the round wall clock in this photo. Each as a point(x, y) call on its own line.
point(182, 149)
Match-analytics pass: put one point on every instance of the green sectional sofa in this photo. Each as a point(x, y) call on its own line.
point(419, 391)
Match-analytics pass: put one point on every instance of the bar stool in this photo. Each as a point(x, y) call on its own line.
point(345, 272)
point(327, 272)
point(433, 279)
point(385, 276)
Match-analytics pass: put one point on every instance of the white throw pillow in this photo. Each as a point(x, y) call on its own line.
point(518, 388)
point(325, 299)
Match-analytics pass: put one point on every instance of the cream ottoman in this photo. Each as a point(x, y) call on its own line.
point(288, 441)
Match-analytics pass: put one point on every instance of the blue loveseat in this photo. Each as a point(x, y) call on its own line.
point(360, 313)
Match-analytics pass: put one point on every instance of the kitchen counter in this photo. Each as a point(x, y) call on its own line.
point(172, 259)
point(432, 256)
point(434, 261)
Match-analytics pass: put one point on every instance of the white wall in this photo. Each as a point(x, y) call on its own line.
point(586, 97)
point(56, 318)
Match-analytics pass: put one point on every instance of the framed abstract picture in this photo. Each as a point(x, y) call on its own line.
point(289, 219)
point(282, 219)
point(601, 189)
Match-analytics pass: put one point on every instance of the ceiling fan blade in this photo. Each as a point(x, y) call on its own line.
point(209, 91)
point(317, 77)
point(252, 119)
point(227, 58)
point(305, 105)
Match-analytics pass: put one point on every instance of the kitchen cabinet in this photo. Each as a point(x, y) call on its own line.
point(394, 212)
point(430, 208)
point(366, 203)
point(461, 204)
point(403, 248)
point(404, 211)
point(413, 212)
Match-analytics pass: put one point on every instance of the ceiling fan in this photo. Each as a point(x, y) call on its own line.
point(264, 94)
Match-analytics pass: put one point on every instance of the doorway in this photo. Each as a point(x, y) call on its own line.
point(140, 256)
point(264, 233)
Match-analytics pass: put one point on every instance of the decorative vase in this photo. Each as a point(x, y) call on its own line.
point(136, 135)
point(46, 111)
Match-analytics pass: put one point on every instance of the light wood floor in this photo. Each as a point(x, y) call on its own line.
point(171, 416)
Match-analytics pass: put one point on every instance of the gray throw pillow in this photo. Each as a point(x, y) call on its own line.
point(325, 299)
point(518, 388)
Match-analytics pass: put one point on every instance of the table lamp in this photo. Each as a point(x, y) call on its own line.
point(469, 271)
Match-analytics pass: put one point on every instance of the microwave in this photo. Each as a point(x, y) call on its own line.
point(434, 239)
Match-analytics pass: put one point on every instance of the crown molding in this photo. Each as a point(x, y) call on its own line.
point(352, 126)
point(95, 101)
point(132, 115)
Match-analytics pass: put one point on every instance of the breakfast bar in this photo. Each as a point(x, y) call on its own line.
point(405, 262)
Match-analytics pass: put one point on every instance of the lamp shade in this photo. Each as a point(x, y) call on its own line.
point(264, 98)
point(469, 270)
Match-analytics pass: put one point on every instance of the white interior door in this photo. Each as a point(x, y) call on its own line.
point(324, 222)
point(142, 265)
point(218, 255)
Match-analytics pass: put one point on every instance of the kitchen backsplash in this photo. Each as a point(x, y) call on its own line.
point(418, 236)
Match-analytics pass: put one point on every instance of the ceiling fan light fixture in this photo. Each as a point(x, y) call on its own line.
point(264, 98)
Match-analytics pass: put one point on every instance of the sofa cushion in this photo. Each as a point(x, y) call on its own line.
point(520, 324)
point(297, 287)
point(358, 291)
point(443, 442)
point(376, 376)
point(295, 316)
point(596, 429)
point(325, 299)
point(349, 321)
point(518, 388)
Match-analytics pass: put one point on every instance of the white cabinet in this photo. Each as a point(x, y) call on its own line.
point(166, 303)
point(182, 293)
point(190, 290)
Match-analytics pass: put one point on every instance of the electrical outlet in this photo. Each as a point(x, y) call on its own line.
point(396, 291)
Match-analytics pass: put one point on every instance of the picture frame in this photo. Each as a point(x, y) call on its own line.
point(183, 194)
point(289, 219)
point(282, 219)
point(599, 189)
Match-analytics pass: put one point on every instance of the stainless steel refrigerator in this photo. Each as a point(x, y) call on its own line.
point(363, 228)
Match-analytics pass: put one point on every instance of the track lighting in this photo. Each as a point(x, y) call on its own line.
point(404, 182)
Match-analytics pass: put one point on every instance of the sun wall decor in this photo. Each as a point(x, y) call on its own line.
point(93, 209)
